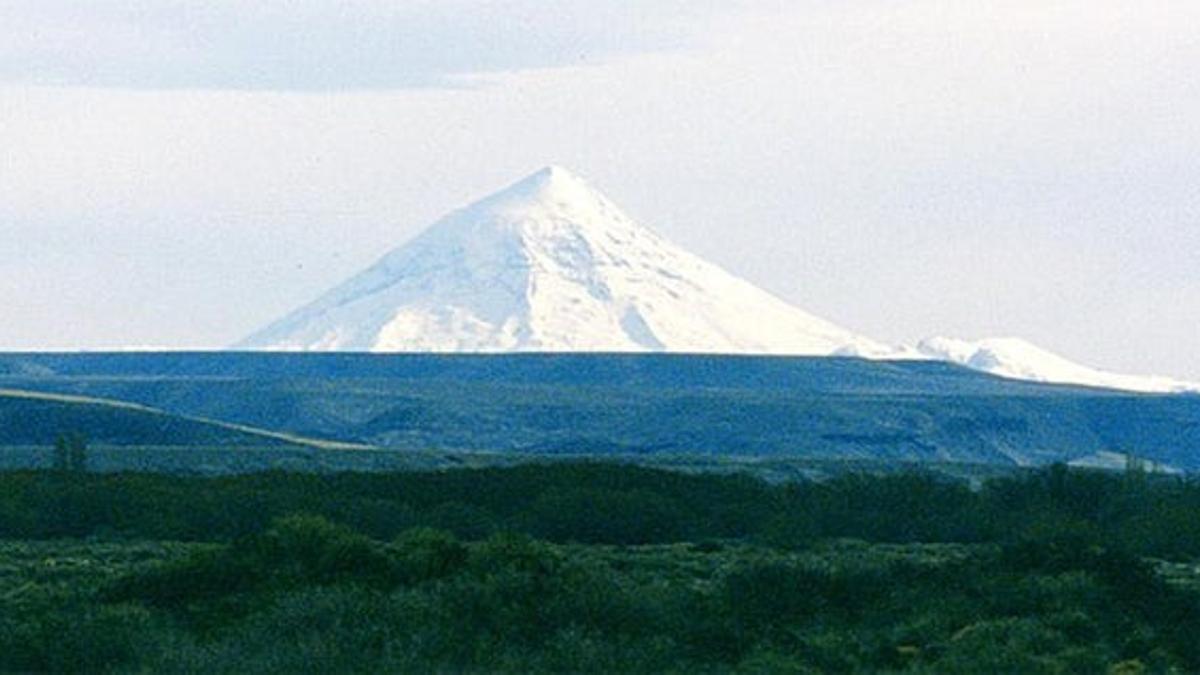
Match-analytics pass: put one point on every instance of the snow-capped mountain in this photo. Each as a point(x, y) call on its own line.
point(550, 264)
point(1018, 359)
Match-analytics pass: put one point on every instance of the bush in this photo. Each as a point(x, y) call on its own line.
point(309, 549)
point(424, 554)
point(217, 585)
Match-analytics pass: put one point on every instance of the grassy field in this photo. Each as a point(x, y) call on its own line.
point(35, 417)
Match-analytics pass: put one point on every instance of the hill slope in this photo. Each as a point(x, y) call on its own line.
point(38, 417)
point(1017, 358)
point(835, 408)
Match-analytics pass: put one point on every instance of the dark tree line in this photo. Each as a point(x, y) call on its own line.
point(612, 504)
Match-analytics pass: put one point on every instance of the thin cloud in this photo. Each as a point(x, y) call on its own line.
point(322, 45)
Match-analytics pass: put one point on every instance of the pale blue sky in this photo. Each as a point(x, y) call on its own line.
point(178, 173)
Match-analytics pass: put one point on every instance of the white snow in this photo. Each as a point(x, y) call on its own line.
point(1018, 359)
point(550, 264)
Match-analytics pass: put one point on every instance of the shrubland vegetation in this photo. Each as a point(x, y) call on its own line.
point(608, 503)
point(596, 567)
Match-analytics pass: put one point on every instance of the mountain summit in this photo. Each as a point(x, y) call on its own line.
point(549, 264)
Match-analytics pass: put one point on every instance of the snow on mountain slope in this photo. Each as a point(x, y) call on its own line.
point(550, 264)
point(1018, 359)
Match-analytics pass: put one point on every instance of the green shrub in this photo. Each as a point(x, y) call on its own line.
point(310, 549)
point(423, 554)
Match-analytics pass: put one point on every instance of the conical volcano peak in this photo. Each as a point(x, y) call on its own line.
point(551, 264)
point(551, 181)
point(555, 173)
point(550, 188)
point(550, 202)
